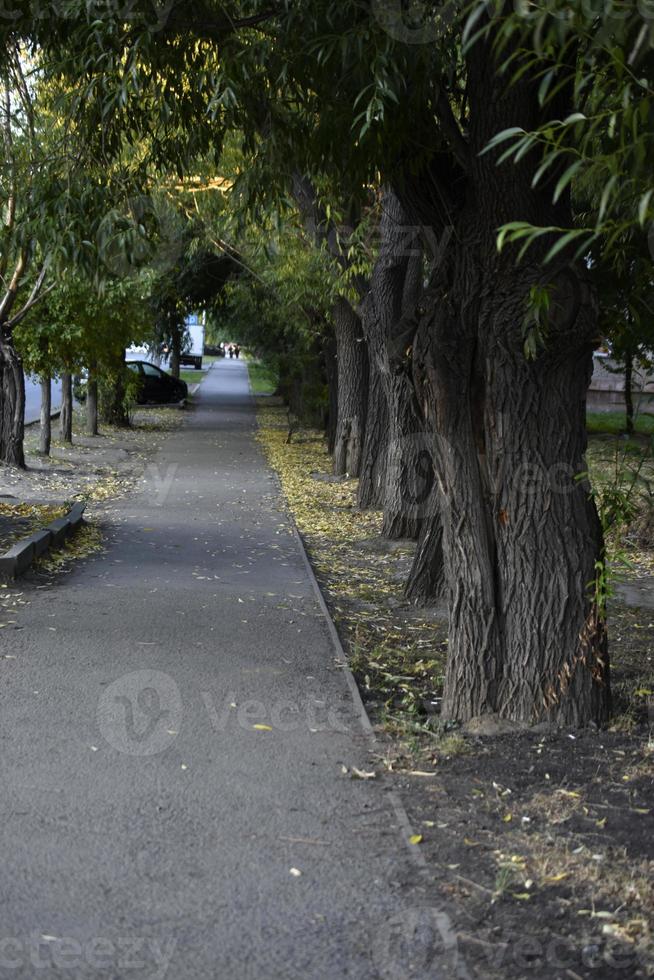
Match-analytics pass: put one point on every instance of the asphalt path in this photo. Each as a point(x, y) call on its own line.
point(176, 732)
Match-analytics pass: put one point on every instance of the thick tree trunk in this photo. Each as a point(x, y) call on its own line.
point(372, 478)
point(66, 416)
point(352, 390)
point(389, 320)
point(522, 536)
point(427, 582)
point(522, 540)
point(12, 408)
point(92, 403)
point(45, 434)
point(410, 469)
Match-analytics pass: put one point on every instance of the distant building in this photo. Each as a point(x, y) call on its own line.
point(606, 391)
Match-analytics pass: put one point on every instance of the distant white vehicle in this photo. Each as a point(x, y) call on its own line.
point(195, 351)
point(140, 352)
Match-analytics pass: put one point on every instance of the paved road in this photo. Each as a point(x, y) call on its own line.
point(33, 399)
point(148, 827)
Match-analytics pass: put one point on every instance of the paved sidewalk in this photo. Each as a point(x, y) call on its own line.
point(174, 728)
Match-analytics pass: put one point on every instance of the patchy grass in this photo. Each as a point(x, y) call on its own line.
point(192, 377)
point(616, 423)
point(622, 473)
point(263, 379)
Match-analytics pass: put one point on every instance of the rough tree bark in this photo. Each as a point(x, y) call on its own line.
point(427, 582)
point(347, 436)
point(388, 315)
point(352, 358)
point(521, 533)
point(66, 416)
point(12, 408)
point(45, 433)
point(372, 475)
point(331, 374)
point(92, 402)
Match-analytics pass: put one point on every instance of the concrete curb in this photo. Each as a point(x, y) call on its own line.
point(20, 557)
point(37, 422)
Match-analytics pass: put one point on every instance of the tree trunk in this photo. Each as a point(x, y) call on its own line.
point(331, 374)
point(66, 416)
point(92, 403)
point(427, 582)
point(12, 418)
point(45, 435)
point(112, 395)
point(628, 391)
point(410, 469)
point(372, 478)
point(176, 350)
point(390, 323)
point(352, 390)
point(522, 538)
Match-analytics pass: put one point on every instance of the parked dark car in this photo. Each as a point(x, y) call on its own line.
point(156, 387)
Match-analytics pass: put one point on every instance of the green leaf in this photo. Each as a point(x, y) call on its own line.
point(506, 134)
point(566, 178)
point(643, 207)
point(563, 242)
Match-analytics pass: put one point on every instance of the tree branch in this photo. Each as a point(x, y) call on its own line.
point(9, 297)
point(451, 130)
point(32, 301)
point(205, 28)
point(35, 296)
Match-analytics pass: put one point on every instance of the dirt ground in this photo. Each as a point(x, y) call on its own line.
point(539, 845)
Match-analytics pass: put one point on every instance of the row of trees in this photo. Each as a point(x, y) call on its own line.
point(461, 173)
point(88, 263)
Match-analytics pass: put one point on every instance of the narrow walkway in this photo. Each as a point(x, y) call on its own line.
point(149, 827)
